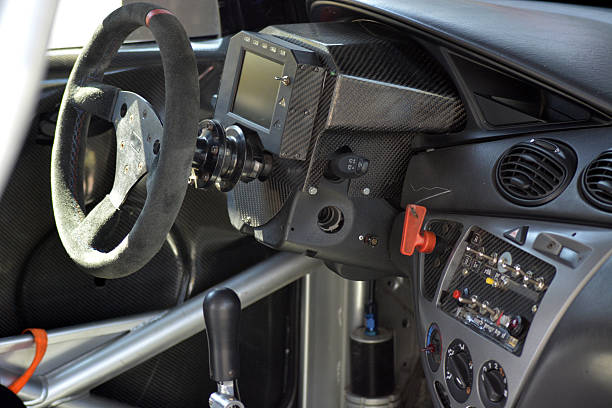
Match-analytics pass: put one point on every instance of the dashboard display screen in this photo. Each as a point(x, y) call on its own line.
point(257, 89)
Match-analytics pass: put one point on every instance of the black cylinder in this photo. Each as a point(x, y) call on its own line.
point(372, 363)
point(222, 318)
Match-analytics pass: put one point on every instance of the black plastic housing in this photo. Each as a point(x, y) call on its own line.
point(540, 162)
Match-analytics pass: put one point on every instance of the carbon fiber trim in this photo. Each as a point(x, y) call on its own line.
point(378, 93)
point(383, 107)
point(514, 300)
point(298, 126)
point(256, 203)
point(447, 235)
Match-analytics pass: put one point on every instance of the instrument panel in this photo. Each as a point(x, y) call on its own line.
point(496, 288)
point(496, 300)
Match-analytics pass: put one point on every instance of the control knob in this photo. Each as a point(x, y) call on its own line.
point(492, 380)
point(459, 370)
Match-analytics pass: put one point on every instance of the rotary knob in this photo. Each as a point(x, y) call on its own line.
point(492, 380)
point(459, 371)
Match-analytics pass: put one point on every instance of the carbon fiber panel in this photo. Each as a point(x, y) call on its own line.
point(379, 90)
point(447, 235)
point(384, 108)
point(258, 202)
point(298, 127)
point(513, 300)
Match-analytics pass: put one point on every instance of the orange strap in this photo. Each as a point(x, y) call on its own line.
point(40, 338)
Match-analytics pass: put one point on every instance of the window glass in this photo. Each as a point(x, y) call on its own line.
point(76, 20)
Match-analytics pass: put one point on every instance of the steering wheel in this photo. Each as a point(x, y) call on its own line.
point(144, 146)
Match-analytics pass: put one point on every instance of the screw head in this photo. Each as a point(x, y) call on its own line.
point(126, 169)
point(366, 191)
point(312, 190)
point(361, 237)
point(534, 308)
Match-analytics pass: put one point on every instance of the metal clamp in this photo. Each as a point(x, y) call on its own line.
point(217, 400)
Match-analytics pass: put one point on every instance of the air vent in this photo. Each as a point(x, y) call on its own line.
point(597, 181)
point(535, 172)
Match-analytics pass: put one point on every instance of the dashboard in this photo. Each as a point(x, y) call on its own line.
point(380, 106)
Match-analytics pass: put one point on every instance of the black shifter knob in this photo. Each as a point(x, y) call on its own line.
point(222, 317)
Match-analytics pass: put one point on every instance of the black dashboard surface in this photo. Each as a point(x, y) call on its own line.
point(545, 41)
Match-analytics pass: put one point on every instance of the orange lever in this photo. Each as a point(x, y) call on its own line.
point(40, 339)
point(412, 236)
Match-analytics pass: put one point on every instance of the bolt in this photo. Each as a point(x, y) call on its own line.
point(122, 144)
point(131, 117)
point(126, 169)
point(534, 308)
point(361, 237)
point(365, 191)
point(312, 190)
point(465, 272)
point(140, 166)
point(306, 112)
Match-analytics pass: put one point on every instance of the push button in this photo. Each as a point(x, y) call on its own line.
point(517, 235)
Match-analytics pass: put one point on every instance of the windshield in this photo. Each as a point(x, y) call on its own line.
point(73, 26)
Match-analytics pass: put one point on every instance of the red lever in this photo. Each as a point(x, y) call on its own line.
point(412, 236)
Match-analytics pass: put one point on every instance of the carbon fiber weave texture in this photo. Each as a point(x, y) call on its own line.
point(509, 301)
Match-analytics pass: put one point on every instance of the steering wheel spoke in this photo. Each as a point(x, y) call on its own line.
point(96, 98)
point(139, 135)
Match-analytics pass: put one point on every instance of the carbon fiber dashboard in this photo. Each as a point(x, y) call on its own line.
point(371, 91)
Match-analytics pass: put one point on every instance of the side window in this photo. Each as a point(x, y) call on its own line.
point(76, 20)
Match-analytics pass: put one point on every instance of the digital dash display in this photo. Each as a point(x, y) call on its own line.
point(257, 89)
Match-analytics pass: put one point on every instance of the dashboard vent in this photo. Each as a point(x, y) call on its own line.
point(535, 172)
point(597, 181)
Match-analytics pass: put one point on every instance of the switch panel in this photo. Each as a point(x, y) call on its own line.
point(495, 288)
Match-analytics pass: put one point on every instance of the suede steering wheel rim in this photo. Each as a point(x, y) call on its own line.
point(166, 160)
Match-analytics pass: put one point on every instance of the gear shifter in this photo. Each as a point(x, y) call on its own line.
point(222, 317)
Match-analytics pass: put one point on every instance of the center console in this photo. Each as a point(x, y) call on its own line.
point(489, 297)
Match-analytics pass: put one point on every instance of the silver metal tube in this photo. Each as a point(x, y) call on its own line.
point(169, 329)
point(91, 401)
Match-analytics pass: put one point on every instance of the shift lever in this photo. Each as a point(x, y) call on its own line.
point(222, 318)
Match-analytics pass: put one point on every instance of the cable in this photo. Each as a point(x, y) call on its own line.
point(371, 323)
